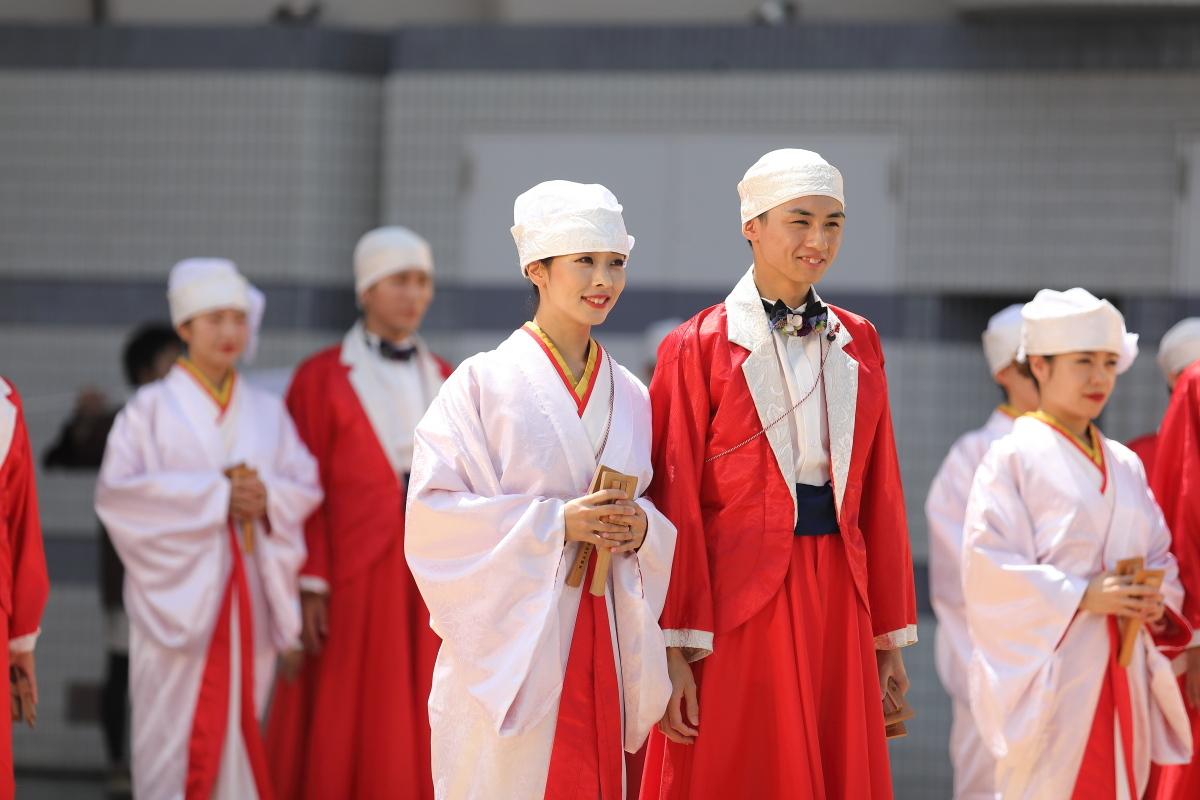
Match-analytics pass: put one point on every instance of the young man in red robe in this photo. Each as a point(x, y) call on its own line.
point(1180, 346)
point(354, 722)
point(1176, 486)
point(792, 586)
point(23, 580)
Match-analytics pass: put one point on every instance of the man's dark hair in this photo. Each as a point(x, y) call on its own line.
point(144, 346)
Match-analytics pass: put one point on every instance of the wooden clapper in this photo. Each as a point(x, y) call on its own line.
point(604, 478)
point(895, 711)
point(245, 525)
point(1131, 627)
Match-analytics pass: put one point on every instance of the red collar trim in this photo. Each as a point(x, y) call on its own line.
point(223, 397)
point(1099, 460)
point(580, 402)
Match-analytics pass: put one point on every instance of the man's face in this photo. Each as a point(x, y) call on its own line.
point(395, 306)
point(798, 239)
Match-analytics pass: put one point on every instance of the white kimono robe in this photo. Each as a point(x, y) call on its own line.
point(501, 450)
point(1042, 521)
point(164, 500)
point(945, 510)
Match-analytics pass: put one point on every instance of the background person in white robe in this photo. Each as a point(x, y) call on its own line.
point(209, 604)
point(538, 686)
point(945, 509)
point(1053, 508)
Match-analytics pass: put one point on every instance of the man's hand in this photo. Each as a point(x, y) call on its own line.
point(1109, 593)
point(247, 498)
point(683, 689)
point(891, 665)
point(22, 664)
point(1192, 682)
point(314, 613)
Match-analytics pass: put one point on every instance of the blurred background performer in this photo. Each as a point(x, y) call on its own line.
point(1179, 348)
point(1053, 508)
point(355, 723)
point(945, 509)
point(540, 686)
point(211, 561)
point(795, 620)
point(148, 356)
point(24, 584)
point(1176, 484)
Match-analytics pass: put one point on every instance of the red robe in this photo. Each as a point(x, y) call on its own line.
point(23, 580)
point(792, 622)
point(1176, 486)
point(355, 723)
point(1146, 448)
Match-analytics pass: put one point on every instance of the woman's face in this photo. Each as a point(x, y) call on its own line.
point(581, 287)
point(216, 339)
point(1078, 384)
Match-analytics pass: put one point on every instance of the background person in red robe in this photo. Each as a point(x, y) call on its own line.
point(1180, 346)
point(1176, 486)
point(354, 722)
point(792, 585)
point(23, 580)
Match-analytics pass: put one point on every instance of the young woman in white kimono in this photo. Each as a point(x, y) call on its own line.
point(211, 552)
point(539, 686)
point(1053, 508)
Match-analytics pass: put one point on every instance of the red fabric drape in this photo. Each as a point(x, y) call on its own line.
point(211, 717)
point(1098, 772)
point(789, 701)
point(587, 761)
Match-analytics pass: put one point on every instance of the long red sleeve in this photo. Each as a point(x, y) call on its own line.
point(679, 397)
point(27, 581)
point(1176, 484)
point(884, 525)
point(315, 429)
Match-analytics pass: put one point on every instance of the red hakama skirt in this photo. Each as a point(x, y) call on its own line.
point(789, 701)
point(355, 722)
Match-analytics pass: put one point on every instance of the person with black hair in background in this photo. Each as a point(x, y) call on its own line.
point(148, 356)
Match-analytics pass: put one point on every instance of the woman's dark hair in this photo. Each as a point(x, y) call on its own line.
point(144, 346)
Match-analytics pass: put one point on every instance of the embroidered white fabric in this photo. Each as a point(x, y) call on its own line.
point(1180, 346)
point(556, 218)
point(1002, 338)
point(783, 175)
point(24, 644)
point(898, 638)
point(1075, 321)
point(695, 644)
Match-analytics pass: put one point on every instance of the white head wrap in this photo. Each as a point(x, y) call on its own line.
point(656, 333)
point(199, 285)
point(1002, 339)
point(386, 251)
point(556, 218)
point(783, 175)
point(1075, 321)
point(1179, 347)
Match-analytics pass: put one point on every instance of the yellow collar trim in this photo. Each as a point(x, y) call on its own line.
point(1092, 449)
point(578, 386)
point(220, 394)
point(1007, 410)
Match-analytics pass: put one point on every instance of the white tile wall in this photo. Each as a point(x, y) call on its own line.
point(113, 174)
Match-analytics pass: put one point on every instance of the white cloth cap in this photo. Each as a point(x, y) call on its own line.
point(1002, 339)
point(386, 251)
point(1179, 347)
point(1075, 321)
point(783, 175)
point(557, 218)
point(656, 333)
point(199, 285)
